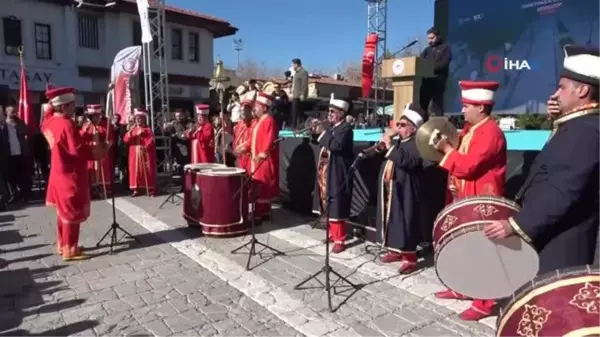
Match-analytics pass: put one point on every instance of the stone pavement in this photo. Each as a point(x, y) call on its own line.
point(177, 283)
point(148, 289)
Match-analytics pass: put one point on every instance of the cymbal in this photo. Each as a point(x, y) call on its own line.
point(426, 132)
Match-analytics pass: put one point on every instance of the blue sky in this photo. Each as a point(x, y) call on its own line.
point(323, 33)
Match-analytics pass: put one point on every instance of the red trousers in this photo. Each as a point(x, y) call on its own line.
point(337, 231)
point(483, 306)
point(261, 209)
point(67, 237)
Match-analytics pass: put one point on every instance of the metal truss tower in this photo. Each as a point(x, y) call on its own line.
point(377, 23)
point(156, 87)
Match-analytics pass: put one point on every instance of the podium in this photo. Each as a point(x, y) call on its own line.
point(407, 75)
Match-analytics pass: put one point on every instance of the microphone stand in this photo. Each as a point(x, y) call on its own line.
point(115, 227)
point(251, 245)
point(327, 269)
point(173, 197)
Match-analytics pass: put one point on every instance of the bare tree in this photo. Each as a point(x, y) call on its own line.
point(351, 71)
point(249, 69)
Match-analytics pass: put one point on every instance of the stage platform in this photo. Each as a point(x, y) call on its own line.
point(518, 140)
point(299, 155)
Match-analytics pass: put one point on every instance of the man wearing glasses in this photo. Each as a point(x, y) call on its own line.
point(333, 188)
point(398, 217)
point(477, 167)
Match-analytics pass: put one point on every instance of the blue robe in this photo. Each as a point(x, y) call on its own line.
point(338, 145)
point(559, 214)
point(398, 202)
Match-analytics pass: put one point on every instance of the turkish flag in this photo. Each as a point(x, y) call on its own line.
point(25, 112)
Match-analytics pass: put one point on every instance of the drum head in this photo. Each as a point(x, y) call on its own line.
point(198, 167)
point(477, 267)
point(196, 196)
point(225, 171)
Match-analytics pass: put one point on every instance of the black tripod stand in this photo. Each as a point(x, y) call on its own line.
point(173, 197)
point(251, 245)
point(115, 227)
point(327, 269)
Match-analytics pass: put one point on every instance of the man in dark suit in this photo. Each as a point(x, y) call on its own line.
point(17, 167)
point(432, 89)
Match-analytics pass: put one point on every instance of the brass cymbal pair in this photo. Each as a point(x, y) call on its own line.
point(430, 133)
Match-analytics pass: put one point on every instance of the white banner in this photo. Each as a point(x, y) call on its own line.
point(144, 20)
point(125, 66)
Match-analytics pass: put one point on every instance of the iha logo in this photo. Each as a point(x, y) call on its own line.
point(495, 63)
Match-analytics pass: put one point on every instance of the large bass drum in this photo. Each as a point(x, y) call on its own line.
point(469, 263)
point(560, 303)
point(222, 208)
point(192, 193)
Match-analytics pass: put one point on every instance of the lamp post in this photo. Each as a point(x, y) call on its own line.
point(238, 46)
point(220, 82)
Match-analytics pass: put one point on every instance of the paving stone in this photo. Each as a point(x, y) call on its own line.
point(160, 289)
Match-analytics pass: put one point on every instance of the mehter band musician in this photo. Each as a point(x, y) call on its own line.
point(477, 167)
point(95, 132)
point(202, 137)
point(68, 188)
point(264, 165)
point(333, 170)
point(398, 215)
point(142, 155)
point(559, 214)
point(242, 133)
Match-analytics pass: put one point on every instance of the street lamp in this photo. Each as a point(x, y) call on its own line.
point(220, 82)
point(238, 46)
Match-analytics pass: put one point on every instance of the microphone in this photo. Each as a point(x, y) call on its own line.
point(412, 43)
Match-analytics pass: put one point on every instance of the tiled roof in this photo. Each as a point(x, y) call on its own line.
point(219, 27)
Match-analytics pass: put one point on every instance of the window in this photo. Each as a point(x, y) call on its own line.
point(176, 45)
point(193, 45)
point(12, 35)
point(89, 36)
point(43, 42)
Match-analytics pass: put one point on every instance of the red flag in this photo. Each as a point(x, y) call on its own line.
point(368, 64)
point(25, 113)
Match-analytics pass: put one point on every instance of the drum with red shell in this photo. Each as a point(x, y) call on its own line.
point(221, 209)
point(190, 212)
point(560, 303)
point(469, 263)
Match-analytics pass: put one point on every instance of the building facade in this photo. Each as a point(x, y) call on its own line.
point(69, 46)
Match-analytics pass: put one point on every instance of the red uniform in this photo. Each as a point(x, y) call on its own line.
point(202, 138)
point(68, 186)
point(141, 158)
point(265, 172)
point(242, 134)
point(202, 143)
point(478, 167)
point(100, 171)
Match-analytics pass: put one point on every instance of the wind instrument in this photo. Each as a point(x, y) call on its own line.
point(373, 150)
point(312, 123)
